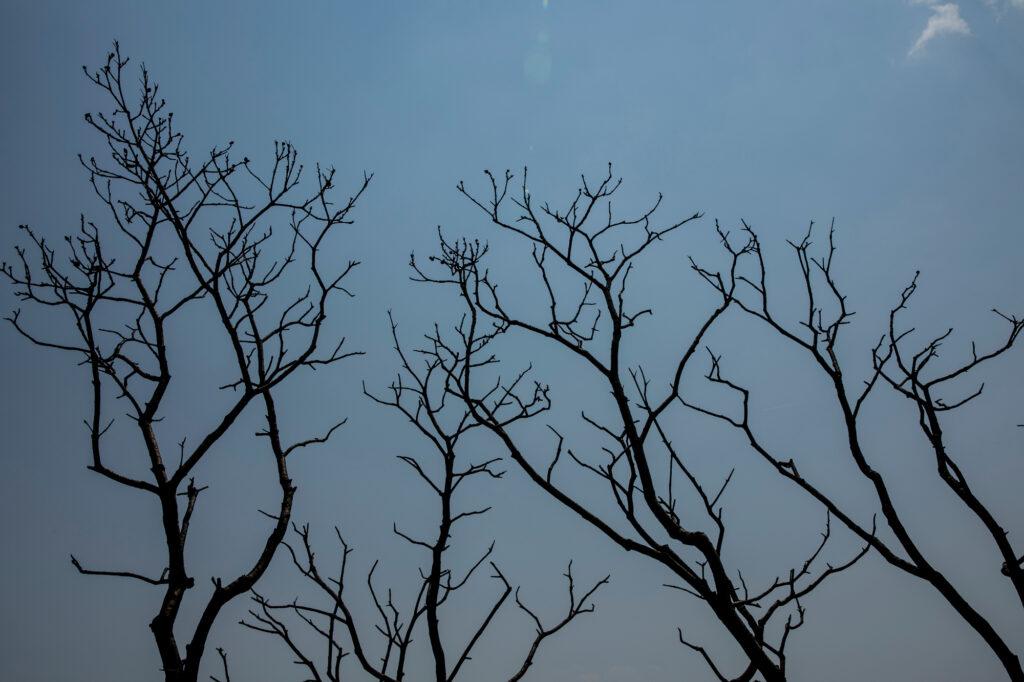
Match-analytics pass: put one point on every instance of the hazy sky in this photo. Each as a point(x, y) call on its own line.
point(903, 120)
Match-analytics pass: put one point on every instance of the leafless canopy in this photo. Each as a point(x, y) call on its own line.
point(905, 369)
point(183, 235)
point(189, 244)
point(422, 393)
point(644, 472)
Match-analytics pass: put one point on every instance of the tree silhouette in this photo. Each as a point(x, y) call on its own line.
point(187, 252)
point(907, 371)
point(422, 392)
point(583, 256)
point(183, 235)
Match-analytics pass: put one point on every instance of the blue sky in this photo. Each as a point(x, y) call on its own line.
point(903, 120)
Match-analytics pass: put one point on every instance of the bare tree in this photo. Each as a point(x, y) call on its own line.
point(181, 235)
point(911, 373)
point(421, 392)
point(583, 256)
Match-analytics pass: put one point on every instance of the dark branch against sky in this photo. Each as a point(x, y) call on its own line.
point(901, 120)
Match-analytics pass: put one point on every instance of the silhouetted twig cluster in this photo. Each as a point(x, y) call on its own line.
point(125, 285)
point(184, 237)
point(585, 243)
point(421, 392)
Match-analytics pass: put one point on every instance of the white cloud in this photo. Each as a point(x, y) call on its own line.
point(945, 20)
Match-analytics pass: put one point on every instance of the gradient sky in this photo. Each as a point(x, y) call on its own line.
point(904, 120)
